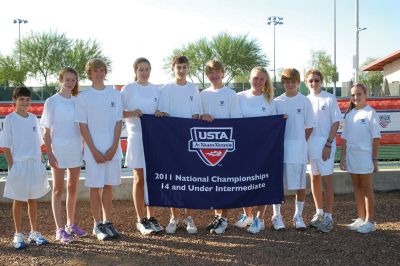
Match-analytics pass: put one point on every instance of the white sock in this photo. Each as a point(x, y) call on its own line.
point(276, 208)
point(299, 208)
point(329, 215)
point(320, 212)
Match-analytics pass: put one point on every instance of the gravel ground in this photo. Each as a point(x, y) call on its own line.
point(234, 247)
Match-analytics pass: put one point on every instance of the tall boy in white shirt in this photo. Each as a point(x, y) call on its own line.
point(99, 114)
point(299, 126)
point(218, 101)
point(180, 99)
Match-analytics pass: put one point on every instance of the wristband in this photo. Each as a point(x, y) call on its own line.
point(328, 146)
point(330, 141)
point(375, 159)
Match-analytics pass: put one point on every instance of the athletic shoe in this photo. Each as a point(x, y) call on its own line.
point(18, 241)
point(155, 225)
point(326, 226)
point(100, 233)
point(277, 222)
point(74, 230)
point(355, 224)
point(63, 236)
point(298, 222)
point(213, 223)
point(316, 221)
point(256, 226)
point(144, 227)
point(244, 221)
point(171, 227)
point(366, 227)
point(110, 230)
point(36, 237)
point(220, 227)
point(190, 226)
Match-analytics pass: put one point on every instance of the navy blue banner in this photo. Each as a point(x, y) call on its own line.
point(227, 163)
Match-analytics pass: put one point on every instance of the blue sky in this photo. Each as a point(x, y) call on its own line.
point(128, 29)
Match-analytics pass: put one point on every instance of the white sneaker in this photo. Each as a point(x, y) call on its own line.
point(172, 226)
point(244, 221)
point(18, 241)
point(221, 226)
point(144, 227)
point(354, 225)
point(277, 222)
point(298, 222)
point(190, 226)
point(366, 227)
point(257, 226)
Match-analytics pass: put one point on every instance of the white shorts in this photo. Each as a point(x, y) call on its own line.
point(27, 180)
point(321, 167)
point(294, 176)
point(100, 174)
point(67, 157)
point(134, 152)
point(359, 160)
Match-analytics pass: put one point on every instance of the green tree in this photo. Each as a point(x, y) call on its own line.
point(238, 54)
point(11, 74)
point(81, 51)
point(322, 61)
point(372, 79)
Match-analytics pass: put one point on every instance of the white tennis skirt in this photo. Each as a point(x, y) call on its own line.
point(359, 160)
point(68, 157)
point(134, 152)
point(26, 180)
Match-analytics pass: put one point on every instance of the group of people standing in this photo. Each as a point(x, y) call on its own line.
point(96, 115)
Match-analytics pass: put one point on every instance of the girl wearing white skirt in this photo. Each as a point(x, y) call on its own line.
point(27, 181)
point(64, 150)
point(361, 135)
point(139, 97)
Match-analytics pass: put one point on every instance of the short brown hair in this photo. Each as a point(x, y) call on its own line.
point(75, 90)
point(290, 74)
point(214, 65)
point(179, 59)
point(21, 91)
point(94, 64)
point(314, 71)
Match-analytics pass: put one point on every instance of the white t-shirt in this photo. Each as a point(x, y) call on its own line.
point(59, 116)
point(360, 127)
point(326, 112)
point(255, 105)
point(300, 117)
point(180, 100)
point(220, 103)
point(136, 96)
point(23, 136)
point(100, 110)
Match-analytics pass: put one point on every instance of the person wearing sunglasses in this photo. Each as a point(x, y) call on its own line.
point(321, 149)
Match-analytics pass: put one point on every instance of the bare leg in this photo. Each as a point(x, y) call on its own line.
point(316, 190)
point(17, 215)
point(73, 180)
point(174, 212)
point(261, 211)
point(358, 195)
point(107, 202)
point(32, 212)
point(369, 196)
point(58, 189)
point(327, 183)
point(95, 203)
point(301, 195)
point(248, 212)
point(138, 193)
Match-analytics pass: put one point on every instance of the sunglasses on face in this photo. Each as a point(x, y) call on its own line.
point(313, 80)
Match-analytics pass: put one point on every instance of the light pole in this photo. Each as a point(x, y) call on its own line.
point(19, 21)
point(274, 20)
point(356, 58)
point(334, 47)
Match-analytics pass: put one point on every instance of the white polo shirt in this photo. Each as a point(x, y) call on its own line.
point(220, 103)
point(255, 105)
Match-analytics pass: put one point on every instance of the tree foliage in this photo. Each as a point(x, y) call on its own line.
point(322, 61)
point(372, 79)
point(11, 74)
point(238, 54)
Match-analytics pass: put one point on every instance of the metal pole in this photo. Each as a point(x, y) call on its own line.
point(19, 43)
point(334, 46)
point(274, 58)
point(357, 45)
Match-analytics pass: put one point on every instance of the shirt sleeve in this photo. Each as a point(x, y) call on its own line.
point(163, 103)
point(119, 111)
point(235, 111)
point(81, 112)
point(335, 113)
point(274, 107)
point(344, 128)
point(5, 135)
point(309, 120)
point(374, 125)
point(39, 131)
point(46, 119)
point(124, 96)
point(196, 102)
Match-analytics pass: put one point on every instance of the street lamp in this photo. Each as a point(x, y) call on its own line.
point(274, 20)
point(19, 21)
point(356, 62)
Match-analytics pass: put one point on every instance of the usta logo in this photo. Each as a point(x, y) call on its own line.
point(211, 143)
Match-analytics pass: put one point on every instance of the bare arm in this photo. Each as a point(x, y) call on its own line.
point(326, 151)
point(117, 135)
point(47, 141)
point(135, 113)
point(308, 133)
point(98, 156)
point(9, 158)
point(375, 153)
point(343, 164)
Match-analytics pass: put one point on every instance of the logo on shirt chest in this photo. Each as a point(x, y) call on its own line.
point(155, 99)
point(34, 128)
point(221, 103)
point(299, 111)
point(263, 109)
point(211, 144)
point(190, 98)
point(112, 104)
point(363, 121)
point(323, 107)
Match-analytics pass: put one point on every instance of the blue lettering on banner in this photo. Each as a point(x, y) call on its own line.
point(228, 163)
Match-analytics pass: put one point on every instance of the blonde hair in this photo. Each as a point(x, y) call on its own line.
point(268, 89)
point(94, 64)
point(290, 74)
point(75, 90)
point(214, 65)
